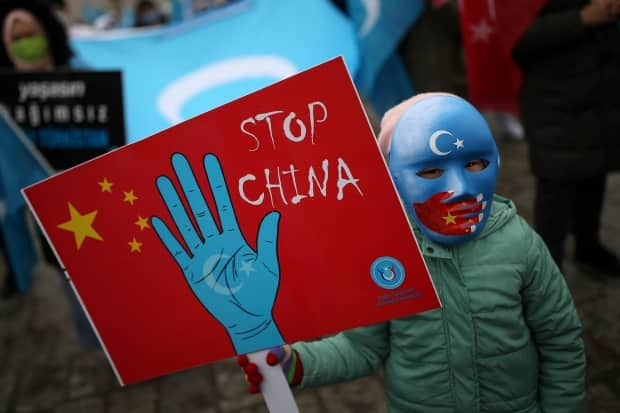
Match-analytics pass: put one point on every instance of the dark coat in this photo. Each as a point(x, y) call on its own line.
point(570, 98)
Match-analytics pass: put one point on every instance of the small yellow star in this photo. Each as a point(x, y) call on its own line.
point(135, 245)
point(130, 197)
point(450, 219)
point(142, 223)
point(106, 186)
point(80, 225)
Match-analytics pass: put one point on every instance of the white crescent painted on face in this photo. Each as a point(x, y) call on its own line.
point(174, 96)
point(432, 142)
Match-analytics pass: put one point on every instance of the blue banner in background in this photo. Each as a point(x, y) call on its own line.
point(173, 73)
point(380, 26)
point(20, 165)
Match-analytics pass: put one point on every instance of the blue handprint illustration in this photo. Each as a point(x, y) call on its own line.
point(236, 284)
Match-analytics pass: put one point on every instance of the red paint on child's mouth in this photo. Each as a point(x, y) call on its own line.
point(451, 218)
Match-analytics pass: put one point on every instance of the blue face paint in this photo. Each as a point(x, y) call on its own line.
point(444, 162)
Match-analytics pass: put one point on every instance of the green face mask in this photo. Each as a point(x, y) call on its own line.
point(30, 49)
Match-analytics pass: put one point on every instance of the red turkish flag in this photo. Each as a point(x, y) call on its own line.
point(490, 30)
point(269, 219)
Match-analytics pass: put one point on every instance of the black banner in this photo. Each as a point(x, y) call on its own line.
point(71, 116)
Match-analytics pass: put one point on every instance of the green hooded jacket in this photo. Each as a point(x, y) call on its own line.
point(506, 340)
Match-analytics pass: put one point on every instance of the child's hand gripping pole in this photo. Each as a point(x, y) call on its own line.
point(271, 372)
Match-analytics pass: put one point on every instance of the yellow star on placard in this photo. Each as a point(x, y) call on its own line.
point(130, 197)
point(106, 186)
point(135, 245)
point(450, 219)
point(80, 225)
point(142, 223)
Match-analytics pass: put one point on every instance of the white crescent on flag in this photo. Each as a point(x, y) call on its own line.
point(172, 73)
point(176, 94)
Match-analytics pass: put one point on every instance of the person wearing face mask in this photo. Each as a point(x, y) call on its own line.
point(508, 337)
point(33, 37)
point(148, 14)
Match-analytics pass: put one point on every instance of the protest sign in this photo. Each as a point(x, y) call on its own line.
point(70, 116)
point(269, 219)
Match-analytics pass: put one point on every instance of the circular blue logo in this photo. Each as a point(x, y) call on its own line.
point(387, 272)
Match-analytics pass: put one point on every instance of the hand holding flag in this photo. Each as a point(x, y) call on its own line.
point(236, 284)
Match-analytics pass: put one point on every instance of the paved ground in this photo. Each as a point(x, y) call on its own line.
point(43, 369)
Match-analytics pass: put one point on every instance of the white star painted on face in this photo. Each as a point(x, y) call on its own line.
point(247, 267)
point(458, 143)
point(481, 31)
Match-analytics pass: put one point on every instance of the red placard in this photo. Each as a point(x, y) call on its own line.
point(171, 283)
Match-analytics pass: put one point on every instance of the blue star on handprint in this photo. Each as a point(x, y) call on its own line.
point(236, 284)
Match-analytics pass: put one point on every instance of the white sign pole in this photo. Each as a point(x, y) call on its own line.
point(274, 387)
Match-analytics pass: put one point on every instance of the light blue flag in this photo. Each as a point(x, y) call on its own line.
point(20, 165)
point(380, 26)
point(173, 73)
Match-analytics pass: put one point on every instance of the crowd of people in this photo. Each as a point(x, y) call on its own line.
point(508, 337)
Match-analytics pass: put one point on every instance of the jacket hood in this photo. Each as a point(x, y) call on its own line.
point(502, 211)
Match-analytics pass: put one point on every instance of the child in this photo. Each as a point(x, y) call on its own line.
point(507, 338)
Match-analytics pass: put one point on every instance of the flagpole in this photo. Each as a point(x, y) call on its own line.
point(274, 387)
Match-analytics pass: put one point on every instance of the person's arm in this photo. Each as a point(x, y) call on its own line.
point(555, 327)
point(549, 31)
point(346, 356)
point(552, 30)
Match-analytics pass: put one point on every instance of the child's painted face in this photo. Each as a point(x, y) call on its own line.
point(25, 41)
point(444, 162)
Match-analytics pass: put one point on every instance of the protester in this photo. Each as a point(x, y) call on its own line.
point(570, 102)
point(35, 39)
point(148, 14)
point(32, 39)
point(508, 337)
